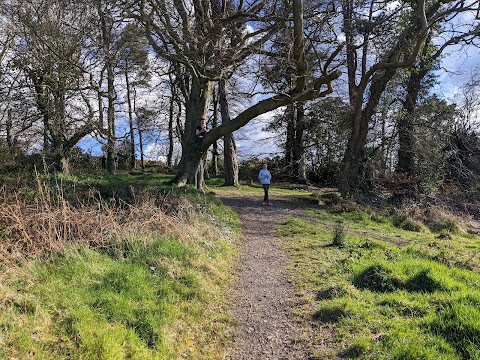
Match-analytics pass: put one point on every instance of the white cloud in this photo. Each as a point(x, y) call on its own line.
point(156, 152)
point(393, 5)
point(252, 140)
point(341, 38)
point(249, 29)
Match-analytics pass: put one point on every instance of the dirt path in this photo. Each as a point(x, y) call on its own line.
point(267, 328)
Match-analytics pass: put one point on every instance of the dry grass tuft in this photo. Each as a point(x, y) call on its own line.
point(44, 225)
point(436, 218)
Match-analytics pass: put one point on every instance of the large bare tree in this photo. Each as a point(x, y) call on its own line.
point(383, 48)
point(210, 38)
point(417, 82)
point(50, 37)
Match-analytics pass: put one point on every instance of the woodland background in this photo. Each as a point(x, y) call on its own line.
point(354, 86)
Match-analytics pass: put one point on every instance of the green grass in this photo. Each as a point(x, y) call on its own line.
point(386, 289)
point(120, 185)
point(386, 292)
point(451, 248)
point(128, 302)
point(119, 180)
point(294, 192)
point(144, 296)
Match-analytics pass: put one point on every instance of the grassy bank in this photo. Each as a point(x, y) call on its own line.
point(378, 291)
point(112, 268)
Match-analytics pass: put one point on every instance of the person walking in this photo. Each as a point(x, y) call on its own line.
point(265, 177)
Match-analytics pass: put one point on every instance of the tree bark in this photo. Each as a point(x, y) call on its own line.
point(384, 149)
point(171, 115)
point(229, 149)
point(406, 126)
point(215, 144)
point(193, 147)
point(130, 121)
point(9, 130)
point(50, 99)
point(230, 160)
point(299, 164)
point(110, 117)
point(354, 158)
point(290, 116)
point(351, 51)
point(140, 144)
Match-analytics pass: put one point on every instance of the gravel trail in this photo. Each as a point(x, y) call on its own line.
point(263, 295)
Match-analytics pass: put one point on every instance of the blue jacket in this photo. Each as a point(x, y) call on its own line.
point(264, 176)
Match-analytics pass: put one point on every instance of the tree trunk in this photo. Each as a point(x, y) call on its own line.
point(290, 115)
point(110, 118)
point(106, 37)
point(406, 162)
point(9, 130)
point(192, 151)
point(406, 127)
point(101, 123)
point(230, 160)
point(354, 158)
point(171, 115)
point(50, 98)
point(299, 164)
point(348, 15)
point(384, 149)
point(188, 167)
point(140, 143)
point(130, 121)
point(215, 144)
point(215, 159)
point(230, 149)
point(200, 176)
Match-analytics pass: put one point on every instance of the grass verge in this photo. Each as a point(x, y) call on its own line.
point(386, 293)
point(151, 287)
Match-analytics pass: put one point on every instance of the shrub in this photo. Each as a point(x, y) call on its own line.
point(44, 222)
point(248, 169)
point(408, 224)
point(449, 226)
point(329, 198)
point(439, 219)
